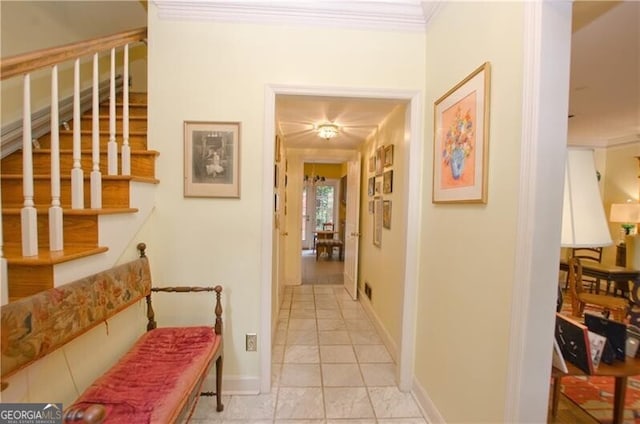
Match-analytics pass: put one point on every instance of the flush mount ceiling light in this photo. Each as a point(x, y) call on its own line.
point(327, 131)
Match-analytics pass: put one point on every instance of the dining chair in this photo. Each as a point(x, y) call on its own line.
point(588, 254)
point(618, 306)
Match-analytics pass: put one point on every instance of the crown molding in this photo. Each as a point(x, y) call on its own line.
point(624, 140)
point(400, 15)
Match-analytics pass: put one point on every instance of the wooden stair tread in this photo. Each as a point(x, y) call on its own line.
point(86, 175)
point(102, 132)
point(13, 255)
point(133, 151)
point(41, 209)
point(147, 180)
point(105, 115)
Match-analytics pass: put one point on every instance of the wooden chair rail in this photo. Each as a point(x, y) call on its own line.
point(32, 61)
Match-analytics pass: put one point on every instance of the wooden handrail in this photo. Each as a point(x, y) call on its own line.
point(29, 62)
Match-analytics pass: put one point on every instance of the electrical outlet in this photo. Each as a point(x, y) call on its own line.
point(251, 342)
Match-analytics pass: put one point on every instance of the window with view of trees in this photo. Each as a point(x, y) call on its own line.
point(324, 205)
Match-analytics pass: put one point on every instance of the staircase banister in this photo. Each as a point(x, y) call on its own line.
point(32, 61)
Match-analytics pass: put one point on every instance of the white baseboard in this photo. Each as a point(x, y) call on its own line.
point(391, 345)
point(233, 384)
point(425, 403)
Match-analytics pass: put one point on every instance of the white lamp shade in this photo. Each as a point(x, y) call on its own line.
point(583, 219)
point(625, 213)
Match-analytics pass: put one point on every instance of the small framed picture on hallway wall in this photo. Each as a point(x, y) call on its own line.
point(212, 159)
point(377, 221)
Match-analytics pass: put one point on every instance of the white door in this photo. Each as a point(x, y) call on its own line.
point(308, 215)
point(352, 228)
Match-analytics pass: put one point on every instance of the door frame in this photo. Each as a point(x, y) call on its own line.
point(414, 131)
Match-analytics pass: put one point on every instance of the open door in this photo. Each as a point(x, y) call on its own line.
point(352, 228)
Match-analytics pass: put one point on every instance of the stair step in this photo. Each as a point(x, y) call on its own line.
point(135, 97)
point(136, 123)
point(143, 162)
point(134, 109)
point(80, 226)
point(30, 275)
point(13, 254)
point(115, 190)
point(137, 140)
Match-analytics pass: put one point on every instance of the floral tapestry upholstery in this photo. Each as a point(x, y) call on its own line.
point(36, 325)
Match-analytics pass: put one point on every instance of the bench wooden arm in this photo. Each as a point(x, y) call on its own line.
point(186, 289)
point(181, 289)
point(93, 414)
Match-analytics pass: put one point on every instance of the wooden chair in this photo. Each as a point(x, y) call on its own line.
point(327, 226)
point(328, 242)
point(579, 298)
point(588, 254)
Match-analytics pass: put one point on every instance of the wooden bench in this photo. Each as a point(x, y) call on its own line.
point(157, 381)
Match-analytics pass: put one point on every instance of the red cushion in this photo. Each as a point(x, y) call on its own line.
point(152, 382)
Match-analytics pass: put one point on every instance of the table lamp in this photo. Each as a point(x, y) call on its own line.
point(584, 223)
point(627, 214)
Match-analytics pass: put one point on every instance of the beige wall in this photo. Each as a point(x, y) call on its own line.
point(218, 72)
point(382, 267)
point(620, 183)
point(328, 170)
point(33, 25)
point(467, 250)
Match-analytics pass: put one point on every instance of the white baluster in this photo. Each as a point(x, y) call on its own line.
point(28, 214)
point(96, 176)
point(112, 147)
point(77, 175)
point(126, 149)
point(55, 211)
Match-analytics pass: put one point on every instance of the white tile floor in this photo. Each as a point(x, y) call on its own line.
point(329, 367)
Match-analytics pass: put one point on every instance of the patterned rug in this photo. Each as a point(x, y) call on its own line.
point(595, 394)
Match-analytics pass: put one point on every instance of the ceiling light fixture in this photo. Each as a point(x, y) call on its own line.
point(327, 131)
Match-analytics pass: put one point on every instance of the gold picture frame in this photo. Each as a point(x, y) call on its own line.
point(388, 155)
point(387, 182)
point(461, 140)
point(211, 159)
point(379, 160)
point(377, 222)
point(386, 214)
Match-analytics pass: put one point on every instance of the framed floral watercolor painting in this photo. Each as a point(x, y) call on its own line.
point(461, 140)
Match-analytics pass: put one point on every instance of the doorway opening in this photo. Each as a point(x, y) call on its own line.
point(323, 214)
point(302, 145)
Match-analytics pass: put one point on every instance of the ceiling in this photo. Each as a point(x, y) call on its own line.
point(298, 117)
point(604, 88)
point(605, 74)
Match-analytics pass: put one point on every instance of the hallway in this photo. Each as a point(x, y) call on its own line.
point(325, 270)
point(329, 366)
